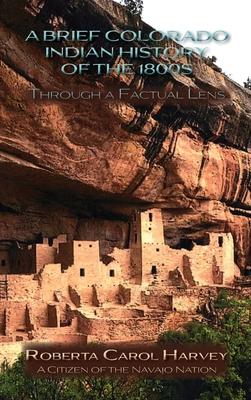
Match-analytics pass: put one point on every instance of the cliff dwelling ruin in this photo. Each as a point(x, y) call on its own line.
point(118, 219)
point(61, 290)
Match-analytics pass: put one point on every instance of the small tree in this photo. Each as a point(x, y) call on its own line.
point(134, 6)
point(234, 331)
point(247, 84)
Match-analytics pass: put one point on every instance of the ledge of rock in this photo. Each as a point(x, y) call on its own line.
point(71, 166)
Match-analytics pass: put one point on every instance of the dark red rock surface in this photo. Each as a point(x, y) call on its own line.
point(66, 165)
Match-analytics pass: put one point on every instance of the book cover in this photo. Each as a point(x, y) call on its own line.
point(125, 267)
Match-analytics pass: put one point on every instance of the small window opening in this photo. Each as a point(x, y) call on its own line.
point(154, 270)
point(112, 272)
point(82, 272)
point(157, 249)
point(50, 242)
point(3, 263)
point(135, 238)
point(150, 217)
point(220, 241)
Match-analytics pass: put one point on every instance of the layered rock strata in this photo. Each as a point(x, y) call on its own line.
point(68, 166)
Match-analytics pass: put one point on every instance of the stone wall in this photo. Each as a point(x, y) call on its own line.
point(151, 225)
point(123, 259)
point(15, 318)
point(53, 315)
point(44, 255)
point(136, 248)
point(23, 288)
point(39, 310)
point(65, 254)
point(157, 300)
point(124, 295)
point(3, 305)
point(75, 296)
point(130, 329)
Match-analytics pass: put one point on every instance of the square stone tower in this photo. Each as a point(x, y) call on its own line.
point(147, 244)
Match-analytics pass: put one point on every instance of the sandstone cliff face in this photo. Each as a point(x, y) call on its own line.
point(78, 167)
